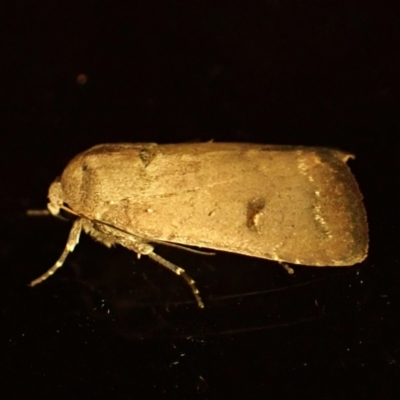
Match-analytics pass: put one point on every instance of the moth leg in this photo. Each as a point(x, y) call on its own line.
point(289, 270)
point(147, 249)
point(73, 240)
point(181, 272)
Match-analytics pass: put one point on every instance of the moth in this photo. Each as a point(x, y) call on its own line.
point(293, 204)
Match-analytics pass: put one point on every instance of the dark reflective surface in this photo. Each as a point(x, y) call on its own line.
point(109, 325)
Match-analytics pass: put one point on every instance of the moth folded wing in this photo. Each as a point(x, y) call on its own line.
point(339, 209)
point(332, 222)
point(296, 205)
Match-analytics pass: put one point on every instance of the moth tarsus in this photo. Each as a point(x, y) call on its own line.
point(73, 240)
point(288, 269)
point(181, 272)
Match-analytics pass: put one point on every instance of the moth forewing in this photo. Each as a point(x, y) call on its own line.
point(291, 204)
point(299, 205)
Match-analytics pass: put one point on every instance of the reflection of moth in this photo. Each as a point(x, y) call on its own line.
point(291, 204)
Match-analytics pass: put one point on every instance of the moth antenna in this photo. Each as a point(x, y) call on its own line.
point(73, 240)
point(38, 213)
point(181, 272)
point(43, 213)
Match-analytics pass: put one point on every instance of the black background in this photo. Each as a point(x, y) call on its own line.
point(109, 326)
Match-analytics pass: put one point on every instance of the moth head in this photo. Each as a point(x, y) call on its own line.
point(56, 197)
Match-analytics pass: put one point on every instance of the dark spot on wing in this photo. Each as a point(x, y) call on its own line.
point(254, 210)
point(147, 154)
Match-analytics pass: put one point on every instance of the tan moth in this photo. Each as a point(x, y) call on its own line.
point(292, 204)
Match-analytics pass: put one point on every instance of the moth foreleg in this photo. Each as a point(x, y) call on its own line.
point(73, 240)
